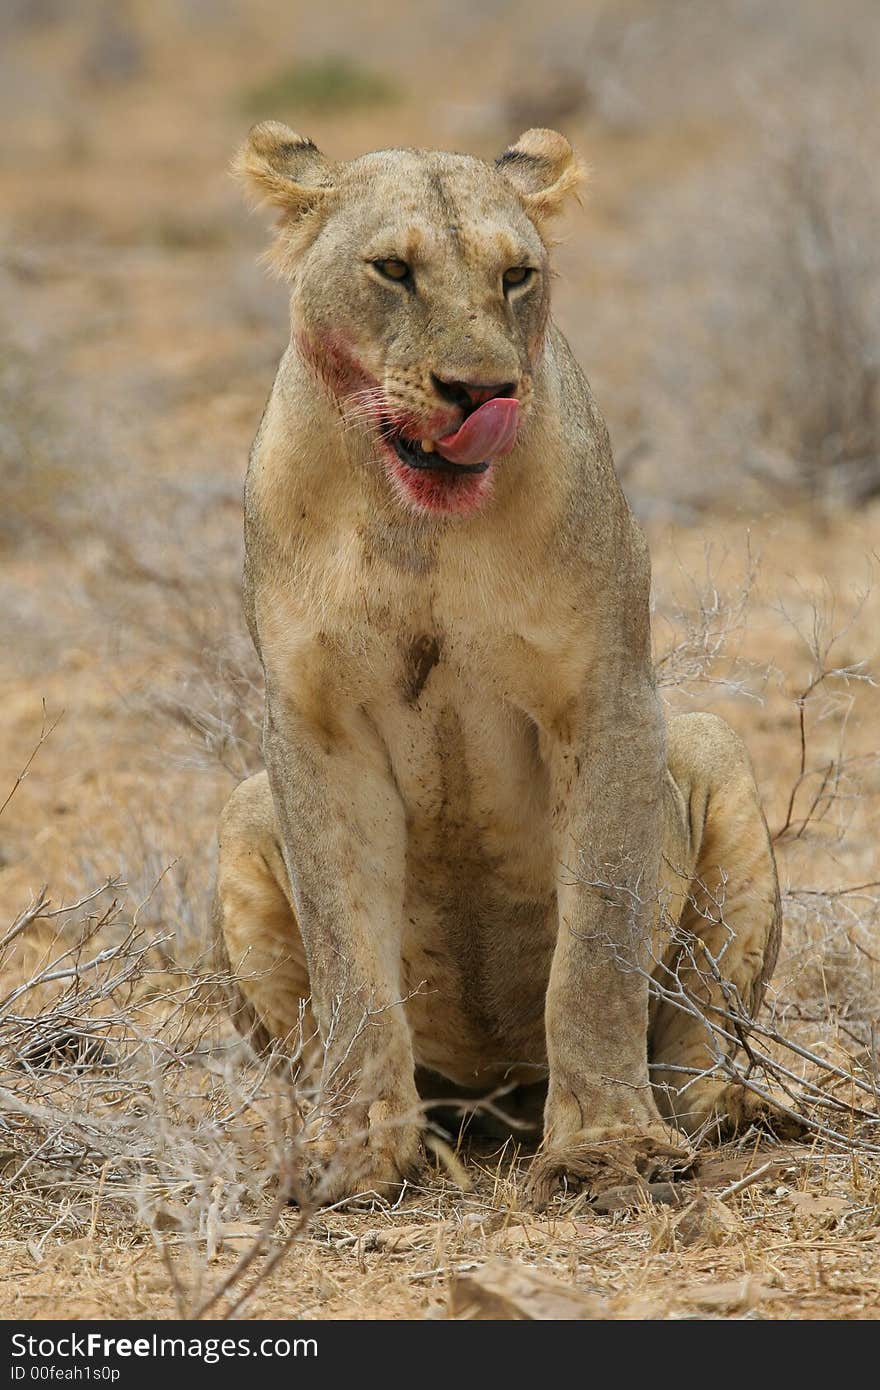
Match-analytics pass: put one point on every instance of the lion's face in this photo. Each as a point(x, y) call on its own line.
point(420, 296)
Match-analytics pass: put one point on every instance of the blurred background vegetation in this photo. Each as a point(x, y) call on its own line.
point(720, 287)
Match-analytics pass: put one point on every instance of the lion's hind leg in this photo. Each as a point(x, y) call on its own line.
point(718, 942)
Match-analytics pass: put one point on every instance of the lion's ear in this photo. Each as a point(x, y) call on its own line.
point(283, 168)
point(543, 169)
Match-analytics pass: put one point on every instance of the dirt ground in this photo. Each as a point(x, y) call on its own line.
point(139, 339)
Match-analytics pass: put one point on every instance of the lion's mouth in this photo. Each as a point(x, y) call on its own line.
point(485, 434)
point(452, 474)
point(410, 452)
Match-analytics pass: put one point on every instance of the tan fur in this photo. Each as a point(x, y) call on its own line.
point(472, 807)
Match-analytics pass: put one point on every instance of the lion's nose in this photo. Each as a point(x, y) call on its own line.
point(468, 395)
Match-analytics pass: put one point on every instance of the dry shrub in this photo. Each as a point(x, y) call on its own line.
point(814, 1044)
point(125, 1106)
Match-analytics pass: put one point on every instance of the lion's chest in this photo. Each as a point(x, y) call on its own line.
point(480, 911)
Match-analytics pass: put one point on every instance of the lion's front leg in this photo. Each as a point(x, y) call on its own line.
point(344, 833)
point(601, 1123)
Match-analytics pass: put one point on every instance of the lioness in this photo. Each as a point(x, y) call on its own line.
point(474, 828)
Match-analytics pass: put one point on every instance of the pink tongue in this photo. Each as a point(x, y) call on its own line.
point(486, 434)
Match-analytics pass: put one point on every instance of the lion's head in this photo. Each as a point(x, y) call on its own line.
point(419, 294)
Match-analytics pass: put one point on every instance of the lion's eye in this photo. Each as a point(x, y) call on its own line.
point(393, 270)
point(517, 275)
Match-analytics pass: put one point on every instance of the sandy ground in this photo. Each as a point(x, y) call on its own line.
point(140, 340)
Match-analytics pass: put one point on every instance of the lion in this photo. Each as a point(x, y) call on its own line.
point(478, 853)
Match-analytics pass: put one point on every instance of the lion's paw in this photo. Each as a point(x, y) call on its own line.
point(597, 1159)
point(342, 1168)
point(738, 1109)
